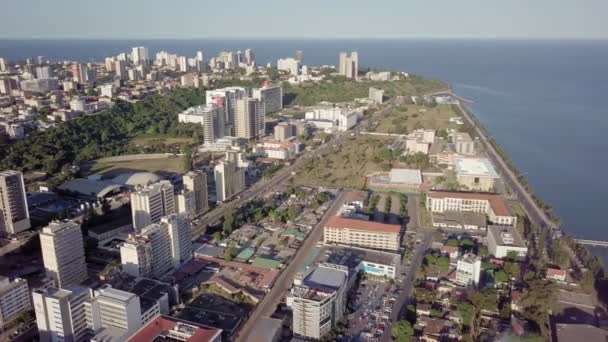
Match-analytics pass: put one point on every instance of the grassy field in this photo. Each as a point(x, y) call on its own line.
point(406, 118)
point(342, 90)
point(166, 165)
point(345, 166)
point(159, 139)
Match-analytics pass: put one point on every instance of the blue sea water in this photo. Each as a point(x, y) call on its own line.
point(544, 101)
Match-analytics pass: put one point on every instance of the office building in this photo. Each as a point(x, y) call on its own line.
point(227, 97)
point(300, 56)
point(463, 143)
point(229, 180)
point(81, 74)
point(185, 203)
point(120, 69)
point(284, 131)
point(504, 239)
point(249, 58)
point(180, 235)
point(290, 65)
point(60, 313)
point(44, 73)
point(63, 253)
point(14, 299)
point(468, 270)
point(318, 302)
point(150, 203)
point(40, 86)
point(349, 65)
point(249, 119)
point(196, 182)
point(113, 315)
point(333, 118)
point(3, 64)
point(360, 233)
point(14, 214)
point(107, 90)
point(270, 96)
point(139, 55)
point(493, 206)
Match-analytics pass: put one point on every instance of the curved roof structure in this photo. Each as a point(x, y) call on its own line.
point(90, 187)
point(137, 178)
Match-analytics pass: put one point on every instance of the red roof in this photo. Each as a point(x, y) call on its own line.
point(343, 222)
point(162, 324)
point(497, 203)
point(449, 249)
point(555, 272)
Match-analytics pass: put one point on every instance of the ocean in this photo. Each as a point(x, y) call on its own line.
point(543, 101)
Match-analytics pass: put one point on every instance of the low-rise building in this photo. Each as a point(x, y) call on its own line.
point(477, 174)
point(468, 270)
point(493, 206)
point(463, 143)
point(367, 234)
point(504, 239)
point(14, 299)
point(166, 328)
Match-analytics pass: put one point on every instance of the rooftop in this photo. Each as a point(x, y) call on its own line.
point(583, 332)
point(162, 325)
point(478, 167)
point(506, 236)
point(90, 187)
point(327, 277)
point(347, 223)
point(265, 329)
point(406, 176)
point(499, 206)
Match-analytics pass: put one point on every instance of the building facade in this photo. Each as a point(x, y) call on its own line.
point(14, 213)
point(62, 247)
point(150, 203)
point(366, 234)
point(14, 299)
point(60, 313)
point(468, 270)
point(196, 182)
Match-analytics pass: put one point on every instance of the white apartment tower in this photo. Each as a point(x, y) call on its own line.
point(180, 236)
point(14, 299)
point(196, 182)
point(150, 203)
point(14, 214)
point(139, 55)
point(227, 97)
point(114, 309)
point(63, 253)
point(468, 270)
point(229, 179)
point(60, 313)
point(250, 119)
point(349, 65)
point(271, 97)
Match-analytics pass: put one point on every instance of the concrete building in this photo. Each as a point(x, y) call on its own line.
point(249, 57)
point(463, 143)
point(185, 202)
point(14, 299)
point(318, 301)
point(284, 131)
point(330, 118)
point(229, 180)
point(63, 253)
point(113, 314)
point(150, 203)
point(107, 90)
point(349, 65)
point(250, 119)
point(14, 214)
point(180, 236)
point(504, 239)
point(44, 72)
point(291, 65)
point(167, 328)
point(419, 141)
point(493, 206)
point(366, 234)
point(140, 55)
point(227, 97)
point(477, 174)
point(60, 313)
point(468, 270)
point(270, 96)
point(211, 116)
point(376, 95)
point(196, 182)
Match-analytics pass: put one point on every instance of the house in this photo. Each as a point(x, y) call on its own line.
point(556, 274)
point(453, 252)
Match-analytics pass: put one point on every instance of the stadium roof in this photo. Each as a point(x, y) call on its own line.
point(89, 187)
point(137, 178)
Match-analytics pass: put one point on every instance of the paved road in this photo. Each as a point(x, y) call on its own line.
point(268, 305)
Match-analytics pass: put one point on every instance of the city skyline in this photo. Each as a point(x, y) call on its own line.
point(386, 19)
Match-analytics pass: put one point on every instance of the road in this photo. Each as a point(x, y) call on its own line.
point(268, 305)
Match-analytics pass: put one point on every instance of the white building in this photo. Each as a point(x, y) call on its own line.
point(468, 270)
point(196, 182)
point(276, 150)
point(14, 299)
point(463, 143)
point(227, 98)
point(150, 203)
point(270, 96)
point(476, 174)
point(107, 90)
point(139, 55)
point(318, 301)
point(14, 213)
point(63, 253)
point(349, 65)
point(185, 202)
point(113, 313)
point(493, 206)
point(503, 239)
point(60, 313)
point(212, 117)
point(250, 119)
point(229, 179)
point(333, 118)
point(419, 141)
point(291, 65)
point(376, 95)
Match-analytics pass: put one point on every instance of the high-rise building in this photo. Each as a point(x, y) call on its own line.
point(115, 310)
point(229, 179)
point(249, 58)
point(211, 116)
point(271, 97)
point(196, 182)
point(3, 64)
point(349, 66)
point(300, 56)
point(290, 65)
point(199, 56)
point(120, 69)
point(318, 301)
point(150, 203)
point(14, 214)
point(284, 131)
point(14, 299)
point(468, 270)
point(44, 72)
point(159, 248)
point(183, 63)
point(228, 96)
point(80, 73)
point(139, 55)
point(185, 202)
point(249, 119)
point(60, 313)
point(63, 253)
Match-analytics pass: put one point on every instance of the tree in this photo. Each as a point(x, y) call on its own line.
point(467, 313)
point(537, 301)
point(230, 252)
point(228, 225)
point(217, 236)
point(452, 243)
point(501, 277)
point(513, 269)
point(402, 331)
point(512, 255)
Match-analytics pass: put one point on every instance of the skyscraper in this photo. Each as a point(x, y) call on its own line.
point(271, 97)
point(249, 118)
point(120, 69)
point(152, 202)
point(290, 65)
point(63, 253)
point(3, 64)
point(229, 179)
point(139, 55)
point(196, 182)
point(249, 58)
point(228, 96)
point(60, 313)
point(349, 66)
point(180, 236)
point(44, 72)
point(299, 56)
point(14, 214)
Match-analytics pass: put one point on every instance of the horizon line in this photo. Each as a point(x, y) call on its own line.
point(313, 38)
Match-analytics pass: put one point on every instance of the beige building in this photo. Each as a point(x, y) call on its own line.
point(284, 131)
point(463, 143)
point(368, 234)
point(229, 180)
point(376, 95)
point(63, 253)
point(493, 206)
point(349, 65)
point(150, 203)
point(14, 214)
point(60, 313)
point(14, 299)
point(196, 182)
point(477, 174)
point(249, 117)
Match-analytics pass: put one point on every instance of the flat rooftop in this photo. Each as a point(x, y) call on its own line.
point(405, 176)
point(506, 236)
point(323, 277)
point(265, 329)
point(475, 167)
point(462, 218)
point(498, 204)
point(347, 223)
point(583, 332)
point(352, 257)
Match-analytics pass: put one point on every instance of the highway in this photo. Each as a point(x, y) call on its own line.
point(268, 305)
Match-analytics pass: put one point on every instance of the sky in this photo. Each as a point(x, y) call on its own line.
point(190, 19)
